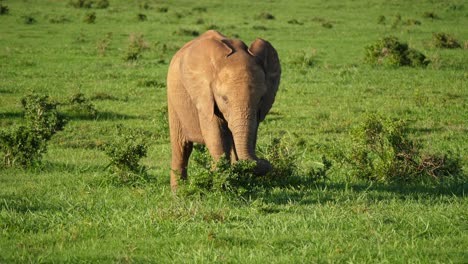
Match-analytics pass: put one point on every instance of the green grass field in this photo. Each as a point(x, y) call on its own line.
point(64, 210)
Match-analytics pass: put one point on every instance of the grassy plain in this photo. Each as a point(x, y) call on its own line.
point(64, 211)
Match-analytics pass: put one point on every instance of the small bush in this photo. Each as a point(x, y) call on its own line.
point(41, 115)
point(59, 19)
point(444, 40)
point(151, 83)
point(327, 25)
point(304, 59)
point(412, 22)
point(101, 4)
point(24, 145)
point(295, 22)
point(259, 27)
point(430, 15)
point(162, 9)
point(90, 18)
point(187, 32)
point(390, 51)
point(142, 17)
point(79, 105)
point(21, 147)
point(200, 9)
point(103, 44)
point(145, 5)
point(381, 20)
point(4, 9)
point(81, 3)
point(266, 16)
point(136, 46)
point(89, 3)
point(128, 146)
point(396, 21)
point(237, 179)
point(240, 179)
point(383, 151)
point(28, 19)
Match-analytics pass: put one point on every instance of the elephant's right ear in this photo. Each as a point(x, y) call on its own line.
point(268, 58)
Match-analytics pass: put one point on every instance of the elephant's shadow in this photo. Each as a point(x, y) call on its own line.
point(308, 192)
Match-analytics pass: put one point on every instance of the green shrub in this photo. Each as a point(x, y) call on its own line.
point(162, 9)
point(200, 9)
point(240, 179)
point(24, 145)
point(136, 46)
point(28, 19)
point(4, 9)
point(237, 179)
point(21, 146)
point(89, 3)
point(382, 20)
point(90, 18)
point(79, 105)
point(389, 51)
point(444, 40)
point(103, 44)
point(81, 3)
point(430, 15)
point(327, 25)
point(101, 4)
point(266, 16)
point(128, 146)
point(42, 116)
point(383, 151)
point(259, 27)
point(187, 32)
point(304, 59)
point(59, 19)
point(295, 22)
point(142, 17)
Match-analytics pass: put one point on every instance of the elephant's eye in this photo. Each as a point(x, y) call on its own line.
point(225, 99)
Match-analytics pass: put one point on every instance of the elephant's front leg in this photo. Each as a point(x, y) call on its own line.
point(217, 137)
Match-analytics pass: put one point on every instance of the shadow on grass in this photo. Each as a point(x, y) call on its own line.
point(307, 191)
point(11, 115)
point(77, 116)
point(102, 116)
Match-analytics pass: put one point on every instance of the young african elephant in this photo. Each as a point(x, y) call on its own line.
point(218, 92)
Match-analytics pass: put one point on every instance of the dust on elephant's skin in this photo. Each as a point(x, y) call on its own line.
point(219, 90)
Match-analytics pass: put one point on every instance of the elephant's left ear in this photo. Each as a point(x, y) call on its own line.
point(268, 58)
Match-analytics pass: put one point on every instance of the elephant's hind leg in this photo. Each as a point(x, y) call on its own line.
point(180, 155)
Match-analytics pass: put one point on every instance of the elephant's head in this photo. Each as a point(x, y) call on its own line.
point(242, 90)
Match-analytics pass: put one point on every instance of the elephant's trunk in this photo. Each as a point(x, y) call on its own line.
point(244, 134)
